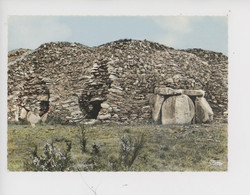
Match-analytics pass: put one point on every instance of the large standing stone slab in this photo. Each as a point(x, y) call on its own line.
point(178, 110)
point(203, 111)
point(156, 110)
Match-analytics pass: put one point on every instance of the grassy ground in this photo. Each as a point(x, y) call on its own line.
point(175, 148)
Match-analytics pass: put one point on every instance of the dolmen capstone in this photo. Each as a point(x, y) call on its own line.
point(179, 106)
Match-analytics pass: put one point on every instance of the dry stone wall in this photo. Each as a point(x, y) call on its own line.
point(112, 82)
point(217, 87)
point(53, 75)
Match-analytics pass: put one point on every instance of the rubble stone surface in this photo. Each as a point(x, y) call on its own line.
point(111, 82)
point(217, 86)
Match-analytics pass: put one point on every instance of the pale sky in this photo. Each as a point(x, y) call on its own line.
point(179, 32)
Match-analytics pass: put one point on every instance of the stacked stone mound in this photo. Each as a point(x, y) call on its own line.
point(217, 87)
point(50, 76)
point(17, 53)
point(112, 82)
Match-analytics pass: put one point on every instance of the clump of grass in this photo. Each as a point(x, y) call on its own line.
point(54, 121)
point(82, 136)
point(96, 149)
point(97, 160)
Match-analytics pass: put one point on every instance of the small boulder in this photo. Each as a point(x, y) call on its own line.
point(23, 113)
point(90, 121)
point(33, 118)
point(104, 117)
point(105, 105)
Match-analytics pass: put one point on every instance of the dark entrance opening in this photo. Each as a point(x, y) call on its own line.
point(93, 109)
point(44, 107)
point(193, 98)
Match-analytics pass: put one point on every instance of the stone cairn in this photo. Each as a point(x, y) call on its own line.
point(114, 82)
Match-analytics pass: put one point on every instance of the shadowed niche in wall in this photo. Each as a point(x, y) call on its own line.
point(94, 109)
point(44, 107)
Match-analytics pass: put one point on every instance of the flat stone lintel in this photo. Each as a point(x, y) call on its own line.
point(199, 92)
point(170, 91)
point(97, 99)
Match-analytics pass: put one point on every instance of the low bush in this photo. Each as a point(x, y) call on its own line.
point(130, 148)
point(53, 159)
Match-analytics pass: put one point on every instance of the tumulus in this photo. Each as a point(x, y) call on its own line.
point(112, 82)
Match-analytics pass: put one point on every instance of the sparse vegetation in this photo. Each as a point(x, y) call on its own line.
point(53, 159)
point(82, 135)
point(111, 147)
point(131, 148)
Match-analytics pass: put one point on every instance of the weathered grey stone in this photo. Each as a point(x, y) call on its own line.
point(78, 112)
point(104, 117)
point(16, 112)
point(203, 111)
point(118, 91)
point(112, 77)
point(97, 99)
point(116, 116)
point(44, 117)
point(43, 98)
point(105, 105)
point(91, 122)
point(23, 113)
point(33, 118)
point(168, 91)
point(178, 110)
point(156, 110)
point(199, 93)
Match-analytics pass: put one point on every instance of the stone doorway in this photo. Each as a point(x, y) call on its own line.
point(44, 107)
point(179, 106)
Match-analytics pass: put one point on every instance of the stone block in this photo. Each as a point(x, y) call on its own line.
point(104, 117)
point(178, 110)
point(198, 93)
point(156, 109)
point(203, 111)
point(168, 91)
point(23, 113)
point(105, 105)
point(33, 118)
